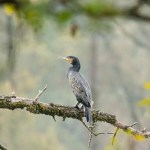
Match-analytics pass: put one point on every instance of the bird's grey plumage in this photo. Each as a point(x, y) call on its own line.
point(80, 86)
point(82, 91)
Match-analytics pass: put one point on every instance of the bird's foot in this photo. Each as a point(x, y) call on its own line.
point(82, 107)
point(76, 107)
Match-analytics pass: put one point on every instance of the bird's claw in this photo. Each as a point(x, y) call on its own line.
point(82, 107)
point(76, 107)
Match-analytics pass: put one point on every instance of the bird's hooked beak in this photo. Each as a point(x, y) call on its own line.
point(70, 60)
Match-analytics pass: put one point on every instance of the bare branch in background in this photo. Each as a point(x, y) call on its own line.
point(131, 36)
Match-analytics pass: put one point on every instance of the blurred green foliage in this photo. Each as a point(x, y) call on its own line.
point(100, 8)
point(62, 11)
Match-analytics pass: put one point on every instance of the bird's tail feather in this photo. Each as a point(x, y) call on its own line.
point(88, 115)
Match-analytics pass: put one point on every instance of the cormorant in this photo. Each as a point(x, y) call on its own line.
point(80, 86)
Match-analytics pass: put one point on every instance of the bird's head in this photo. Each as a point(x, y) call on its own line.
point(71, 59)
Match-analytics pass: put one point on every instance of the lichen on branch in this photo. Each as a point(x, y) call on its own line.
point(36, 107)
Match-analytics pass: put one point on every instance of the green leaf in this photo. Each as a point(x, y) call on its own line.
point(64, 16)
point(100, 8)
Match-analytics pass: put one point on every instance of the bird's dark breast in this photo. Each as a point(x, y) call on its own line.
point(79, 88)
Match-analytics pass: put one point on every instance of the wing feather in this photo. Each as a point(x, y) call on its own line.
point(80, 87)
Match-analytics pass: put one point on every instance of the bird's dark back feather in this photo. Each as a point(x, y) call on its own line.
point(80, 87)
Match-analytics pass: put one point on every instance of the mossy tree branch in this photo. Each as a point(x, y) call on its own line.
point(2, 147)
point(36, 107)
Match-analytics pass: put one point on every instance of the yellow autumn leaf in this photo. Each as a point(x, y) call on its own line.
point(114, 141)
point(139, 137)
point(147, 85)
point(144, 102)
point(128, 131)
point(9, 9)
point(108, 147)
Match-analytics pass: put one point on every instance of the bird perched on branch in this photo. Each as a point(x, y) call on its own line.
point(80, 86)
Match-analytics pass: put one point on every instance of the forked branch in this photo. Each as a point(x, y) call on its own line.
point(14, 102)
point(36, 107)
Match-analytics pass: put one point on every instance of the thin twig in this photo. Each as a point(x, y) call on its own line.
point(132, 124)
point(90, 134)
point(130, 35)
point(90, 140)
point(40, 93)
point(113, 139)
point(144, 130)
point(91, 131)
point(54, 118)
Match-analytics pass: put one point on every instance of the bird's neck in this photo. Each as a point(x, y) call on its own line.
point(75, 67)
